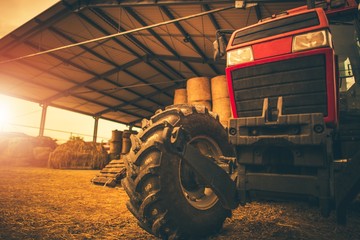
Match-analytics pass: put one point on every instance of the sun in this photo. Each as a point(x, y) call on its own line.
point(5, 114)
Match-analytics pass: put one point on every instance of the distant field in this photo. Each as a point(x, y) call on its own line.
point(40, 203)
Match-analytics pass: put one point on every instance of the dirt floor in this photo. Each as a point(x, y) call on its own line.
point(40, 203)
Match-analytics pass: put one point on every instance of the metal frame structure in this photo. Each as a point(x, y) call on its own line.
point(122, 79)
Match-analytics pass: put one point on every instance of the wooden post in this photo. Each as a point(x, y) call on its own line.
point(96, 125)
point(43, 119)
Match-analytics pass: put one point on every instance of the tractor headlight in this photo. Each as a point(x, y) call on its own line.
point(310, 40)
point(240, 55)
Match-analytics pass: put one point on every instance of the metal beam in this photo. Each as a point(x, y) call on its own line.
point(115, 65)
point(154, 34)
point(187, 36)
point(96, 126)
point(258, 12)
point(102, 15)
point(139, 3)
point(134, 101)
point(61, 93)
point(43, 119)
point(211, 17)
point(188, 59)
point(116, 68)
point(34, 30)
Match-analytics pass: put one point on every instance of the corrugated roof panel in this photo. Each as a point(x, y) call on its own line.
point(236, 18)
point(109, 101)
point(23, 71)
point(71, 73)
point(180, 46)
point(122, 18)
point(114, 52)
point(89, 108)
point(103, 85)
point(69, 101)
point(150, 14)
point(124, 78)
point(275, 8)
point(94, 65)
point(87, 93)
point(8, 82)
point(33, 91)
point(78, 28)
point(121, 117)
point(55, 82)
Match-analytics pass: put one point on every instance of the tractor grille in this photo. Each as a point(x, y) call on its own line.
point(301, 82)
point(277, 27)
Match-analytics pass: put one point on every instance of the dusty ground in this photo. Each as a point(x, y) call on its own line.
point(39, 203)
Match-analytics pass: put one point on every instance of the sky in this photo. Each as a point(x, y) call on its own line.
point(17, 115)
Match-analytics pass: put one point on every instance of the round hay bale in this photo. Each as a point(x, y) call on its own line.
point(219, 87)
point(207, 104)
point(78, 154)
point(41, 156)
point(180, 96)
point(221, 106)
point(198, 89)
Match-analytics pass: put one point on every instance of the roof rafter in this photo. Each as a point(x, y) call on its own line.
point(34, 30)
point(211, 17)
point(154, 34)
point(62, 93)
point(186, 35)
point(131, 38)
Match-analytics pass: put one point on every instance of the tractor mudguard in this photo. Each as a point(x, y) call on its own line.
point(204, 166)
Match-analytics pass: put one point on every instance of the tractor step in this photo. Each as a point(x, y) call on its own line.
point(111, 174)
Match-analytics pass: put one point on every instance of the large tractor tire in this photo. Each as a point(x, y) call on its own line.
point(166, 196)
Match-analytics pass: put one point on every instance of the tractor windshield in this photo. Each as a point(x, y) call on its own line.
point(345, 34)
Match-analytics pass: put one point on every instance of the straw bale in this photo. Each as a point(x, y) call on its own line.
point(19, 149)
point(78, 154)
point(41, 156)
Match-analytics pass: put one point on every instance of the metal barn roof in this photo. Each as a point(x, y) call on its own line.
point(123, 78)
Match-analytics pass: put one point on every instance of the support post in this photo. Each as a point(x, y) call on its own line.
point(96, 125)
point(43, 119)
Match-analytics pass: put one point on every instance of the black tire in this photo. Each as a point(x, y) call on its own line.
point(165, 195)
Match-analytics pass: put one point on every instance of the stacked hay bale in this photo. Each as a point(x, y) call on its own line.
point(212, 94)
point(199, 92)
point(77, 154)
point(220, 99)
point(180, 96)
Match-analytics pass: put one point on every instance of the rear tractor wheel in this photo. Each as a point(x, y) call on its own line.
point(166, 196)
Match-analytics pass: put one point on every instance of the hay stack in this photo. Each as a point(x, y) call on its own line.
point(77, 154)
point(22, 150)
point(220, 99)
point(180, 96)
point(199, 91)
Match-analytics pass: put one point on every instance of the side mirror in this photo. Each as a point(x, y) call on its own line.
point(220, 43)
point(219, 47)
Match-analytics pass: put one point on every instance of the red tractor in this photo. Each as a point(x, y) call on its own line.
point(293, 81)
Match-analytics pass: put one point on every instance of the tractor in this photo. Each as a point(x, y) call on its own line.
point(293, 82)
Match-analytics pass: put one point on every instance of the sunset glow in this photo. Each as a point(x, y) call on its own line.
point(5, 115)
